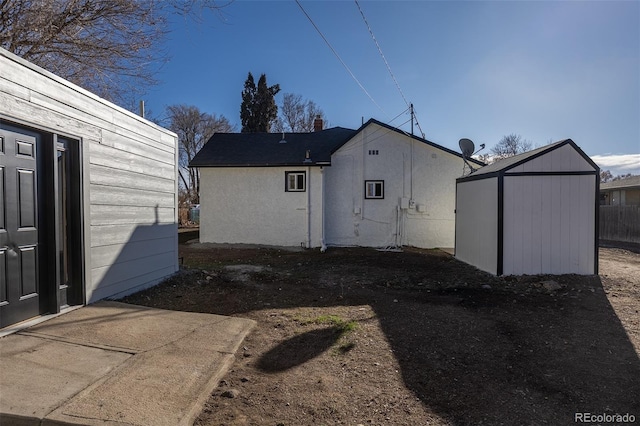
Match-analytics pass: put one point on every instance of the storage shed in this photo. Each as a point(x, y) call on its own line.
point(88, 194)
point(534, 213)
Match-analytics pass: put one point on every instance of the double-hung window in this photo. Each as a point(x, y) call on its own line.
point(374, 189)
point(295, 181)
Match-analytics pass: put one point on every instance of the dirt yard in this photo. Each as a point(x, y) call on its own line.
point(360, 337)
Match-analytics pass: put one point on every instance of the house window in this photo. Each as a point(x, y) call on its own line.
point(374, 189)
point(295, 181)
point(374, 152)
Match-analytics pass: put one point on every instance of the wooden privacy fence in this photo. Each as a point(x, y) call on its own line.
point(620, 223)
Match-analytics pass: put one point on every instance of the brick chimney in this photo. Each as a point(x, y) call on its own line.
point(318, 124)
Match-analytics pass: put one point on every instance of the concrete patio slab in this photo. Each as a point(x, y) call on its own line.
point(28, 376)
point(114, 363)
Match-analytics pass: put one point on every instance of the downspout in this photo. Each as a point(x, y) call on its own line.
point(364, 175)
point(323, 246)
point(398, 237)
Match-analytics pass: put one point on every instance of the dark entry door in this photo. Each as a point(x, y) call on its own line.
point(19, 289)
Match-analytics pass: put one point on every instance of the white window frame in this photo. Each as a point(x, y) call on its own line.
point(370, 189)
point(294, 186)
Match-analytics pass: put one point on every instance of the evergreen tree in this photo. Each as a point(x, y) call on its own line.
point(247, 117)
point(258, 110)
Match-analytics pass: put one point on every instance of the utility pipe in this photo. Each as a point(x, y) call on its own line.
point(309, 207)
point(323, 246)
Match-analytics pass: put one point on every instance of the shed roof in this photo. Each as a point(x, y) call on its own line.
point(630, 182)
point(267, 149)
point(504, 165)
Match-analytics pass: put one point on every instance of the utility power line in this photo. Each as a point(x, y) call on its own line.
point(381, 54)
point(339, 58)
point(388, 66)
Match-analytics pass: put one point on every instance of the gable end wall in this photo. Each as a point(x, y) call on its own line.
point(411, 170)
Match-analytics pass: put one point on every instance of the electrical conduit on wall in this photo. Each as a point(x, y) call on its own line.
point(308, 207)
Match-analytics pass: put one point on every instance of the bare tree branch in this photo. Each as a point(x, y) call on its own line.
point(296, 114)
point(110, 47)
point(509, 146)
point(194, 128)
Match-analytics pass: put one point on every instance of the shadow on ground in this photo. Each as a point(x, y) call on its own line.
point(299, 349)
point(535, 361)
point(506, 353)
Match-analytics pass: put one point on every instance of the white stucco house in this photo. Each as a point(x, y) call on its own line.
point(376, 187)
point(88, 193)
point(534, 213)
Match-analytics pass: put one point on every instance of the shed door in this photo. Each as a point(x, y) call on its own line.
point(19, 290)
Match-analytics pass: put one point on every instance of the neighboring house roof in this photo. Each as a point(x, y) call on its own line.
point(425, 141)
point(630, 182)
point(506, 164)
point(266, 149)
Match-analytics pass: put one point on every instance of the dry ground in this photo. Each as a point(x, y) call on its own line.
point(359, 336)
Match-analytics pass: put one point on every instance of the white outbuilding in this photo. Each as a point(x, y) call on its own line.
point(534, 213)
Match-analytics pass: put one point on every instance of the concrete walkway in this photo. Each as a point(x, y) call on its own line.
point(116, 364)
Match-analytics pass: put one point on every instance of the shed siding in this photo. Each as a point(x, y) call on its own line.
point(129, 174)
point(549, 225)
point(409, 169)
point(477, 223)
point(250, 206)
point(562, 159)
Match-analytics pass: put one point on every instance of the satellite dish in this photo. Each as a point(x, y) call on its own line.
point(467, 147)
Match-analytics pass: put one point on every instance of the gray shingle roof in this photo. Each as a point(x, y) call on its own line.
point(629, 182)
point(266, 149)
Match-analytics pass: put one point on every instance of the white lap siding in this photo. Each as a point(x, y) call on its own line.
point(133, 223)
point(129, 173)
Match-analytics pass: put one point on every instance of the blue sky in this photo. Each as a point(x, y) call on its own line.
point(481, 70)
